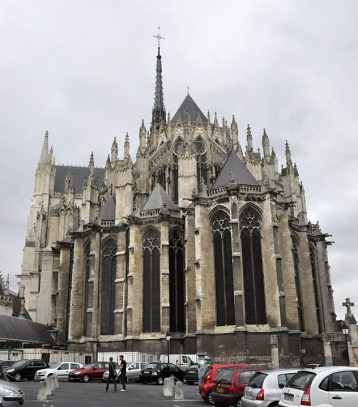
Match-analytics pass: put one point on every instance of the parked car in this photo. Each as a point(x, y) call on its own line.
point(335, 386)
point(191, 375)
point(264, 389)
point(93, 371)
point(4, 366)
point(230, 384)
point(10, 394)
point(156, 372)
point(25, 369)
point(206, 387)
point(60, 369)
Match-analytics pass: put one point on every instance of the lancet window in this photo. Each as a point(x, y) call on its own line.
point(201, 163)
point(88, 293)
point(176, 282)
point(108, 277)
point(224, 285)
point(151, 281)
point(250, 227)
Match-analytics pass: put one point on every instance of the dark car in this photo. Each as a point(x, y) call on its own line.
point(230, 384)
point(156, 372)
point(191, 375)
point(25, 369)
point(93, 371)
point(4, 366)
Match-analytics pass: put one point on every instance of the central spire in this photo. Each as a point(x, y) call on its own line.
point(158, 112)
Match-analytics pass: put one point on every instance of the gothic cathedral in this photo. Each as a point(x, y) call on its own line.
point(197, 237)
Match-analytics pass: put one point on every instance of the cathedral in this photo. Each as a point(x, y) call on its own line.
point(200, 238)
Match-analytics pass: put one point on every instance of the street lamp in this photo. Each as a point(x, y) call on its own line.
point(345, 332)
point(168, 338)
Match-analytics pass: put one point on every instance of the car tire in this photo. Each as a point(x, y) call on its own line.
point(17, 377)
point(144, 382)
point(209, 398)
point(86, 378)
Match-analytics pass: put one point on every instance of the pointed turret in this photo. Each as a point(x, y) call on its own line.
point(288, 155)
point(142, 135)
point(126, 146)
point(234, 131)
point(44, 152)
point(114, 151)
point(249, 147)
point(91, 165)
point(158, 112)
point(266, 145)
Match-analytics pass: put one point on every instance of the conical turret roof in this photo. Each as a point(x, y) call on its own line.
point(108, 210)
point(234, 170)
point(189, 107)
point(159, 198)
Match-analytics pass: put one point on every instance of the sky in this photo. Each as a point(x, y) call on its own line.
point(85, 71)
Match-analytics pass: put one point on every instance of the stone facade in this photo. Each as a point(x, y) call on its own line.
point(196, 237)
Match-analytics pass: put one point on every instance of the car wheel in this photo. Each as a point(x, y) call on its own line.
point(144, 382)
point(86, 378)
point(160, 380)
point(209, 398)
point(18, 377)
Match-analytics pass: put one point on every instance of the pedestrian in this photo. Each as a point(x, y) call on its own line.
point(112, 374)
point(123, 372)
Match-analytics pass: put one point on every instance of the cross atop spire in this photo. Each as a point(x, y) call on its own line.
point(158, 37)
point(348, 304)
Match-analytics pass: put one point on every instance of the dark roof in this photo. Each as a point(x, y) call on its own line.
point(79, 175)
point(108, 210)
point(13, 329)
point(189, 106)
point(234, 170)
point(158, 198)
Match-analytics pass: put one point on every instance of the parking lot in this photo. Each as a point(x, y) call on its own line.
point(92, 394)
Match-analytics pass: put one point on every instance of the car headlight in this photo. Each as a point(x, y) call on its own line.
point(10, 370)
point(76, 372)
point(155, 374)
point(9, 392)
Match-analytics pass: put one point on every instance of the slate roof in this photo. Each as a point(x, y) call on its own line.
point(234, 169)
point(13, 329)
point(189, 106)
point(108, 210)
point(158, 198)
point(79, 175)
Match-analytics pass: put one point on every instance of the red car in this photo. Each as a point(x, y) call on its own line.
point(205, 389)
point(230, 384)
point(93, 371)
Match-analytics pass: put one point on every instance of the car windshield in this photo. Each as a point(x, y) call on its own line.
point(301, 380)
point(225, 375)
point(257, 380)
point(20, 363)
point(151, 366)
point(55, 365)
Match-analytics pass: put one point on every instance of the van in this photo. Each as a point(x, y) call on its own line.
point(180, 360)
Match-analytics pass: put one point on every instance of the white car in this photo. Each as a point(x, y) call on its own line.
point(132, 372)
point(334, 386)
point(10, 394)
point(60, 369)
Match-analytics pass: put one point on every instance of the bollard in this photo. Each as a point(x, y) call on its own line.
point(48, 386)
point(168, 388)
point(179, 391)
point(42, 393)
point(52, 383)
point(56, 382)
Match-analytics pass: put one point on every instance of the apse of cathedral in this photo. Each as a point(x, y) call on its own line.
point(200, 235)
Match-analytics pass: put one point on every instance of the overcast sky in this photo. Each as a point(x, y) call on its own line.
point(85, 71)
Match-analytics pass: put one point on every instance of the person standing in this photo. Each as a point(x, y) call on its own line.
point(123, 372)
point(112, 374)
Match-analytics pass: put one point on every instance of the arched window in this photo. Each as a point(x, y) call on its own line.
point(296, 264)
point(224, 285)
point(178, 149)
point(255, 308)
point(108, 277)
point(317, 288)
point(201, 162)
point(151, 281)
point(176, 282)
point(88, 297)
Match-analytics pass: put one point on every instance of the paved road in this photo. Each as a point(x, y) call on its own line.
point(93, 395)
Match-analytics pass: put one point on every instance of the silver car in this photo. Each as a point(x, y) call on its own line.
point(11, 394)
point(59, 369)
point(265, 388)
point(132, 372)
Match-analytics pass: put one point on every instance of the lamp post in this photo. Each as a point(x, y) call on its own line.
point(168, 338)
point(345, 332)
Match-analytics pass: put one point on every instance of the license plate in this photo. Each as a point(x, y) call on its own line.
point(288, 397)
point(220, 390)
